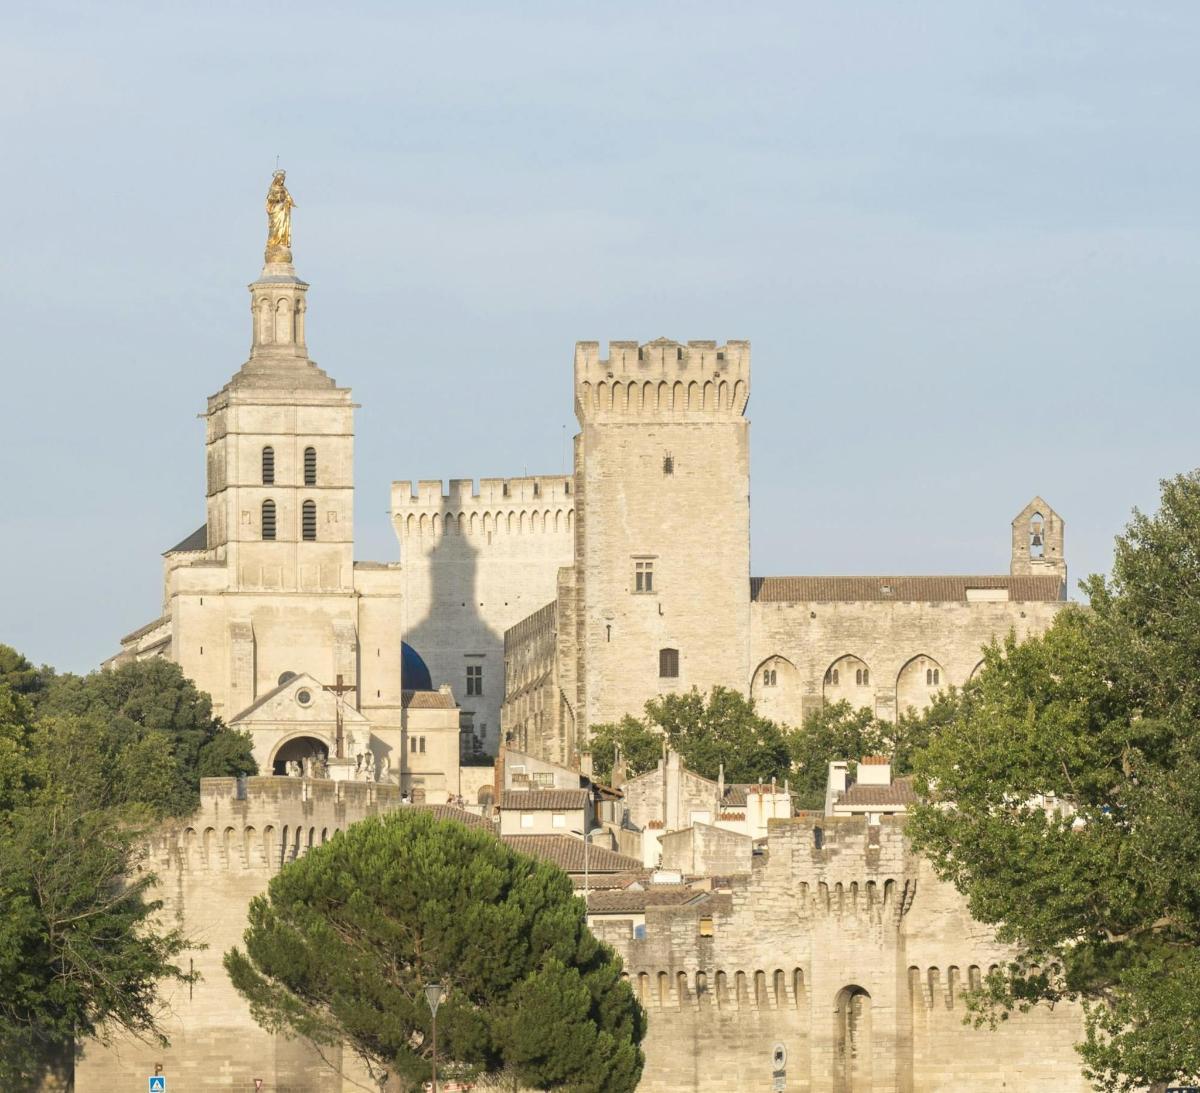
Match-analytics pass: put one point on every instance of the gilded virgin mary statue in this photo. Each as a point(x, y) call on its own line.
point(279, 219)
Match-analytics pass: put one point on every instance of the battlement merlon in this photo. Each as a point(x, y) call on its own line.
point(662, 379)
point(663, 359)
point(463, 495)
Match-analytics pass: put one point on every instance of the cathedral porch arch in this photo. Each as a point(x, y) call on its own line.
point(296, 747)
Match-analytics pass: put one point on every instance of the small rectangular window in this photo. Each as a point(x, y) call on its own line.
point(668, 663)
point(474, 679)
point(643, 576)
point(527, 819)
point(421, 741)
point(310, 466)
point(559, 819)
point(706, 926)
point(668, 464)
point(308, 521)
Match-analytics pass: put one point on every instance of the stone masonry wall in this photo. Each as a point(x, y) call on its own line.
point(832, 951)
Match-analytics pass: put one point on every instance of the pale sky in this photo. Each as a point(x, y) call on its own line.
point(963, 239)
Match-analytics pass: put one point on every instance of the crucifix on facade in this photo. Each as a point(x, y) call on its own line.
point(338, 689)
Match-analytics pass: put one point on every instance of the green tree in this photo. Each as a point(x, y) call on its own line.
point(837, 731)
point(721, 729)
point(1063, 799)
point(118, 725)
point(18, 673)
point(641, 747)
point(345, 939)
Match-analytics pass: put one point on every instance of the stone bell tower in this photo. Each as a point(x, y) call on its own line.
point(1037, 543)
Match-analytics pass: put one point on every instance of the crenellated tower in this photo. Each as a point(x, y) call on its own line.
point(662, 531)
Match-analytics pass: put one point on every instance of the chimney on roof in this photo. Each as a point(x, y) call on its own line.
point(875, 770)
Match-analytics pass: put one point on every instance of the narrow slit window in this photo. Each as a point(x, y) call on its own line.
point(308, 521)
point(310, 466)
point(268, 519)
point(268, 466)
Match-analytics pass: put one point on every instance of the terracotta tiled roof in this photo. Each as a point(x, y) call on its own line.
point(899, 589)
point(900, 792)
point(533, 799)
point(449, 812)
point(638, 899)
point(427, 700)
point(567, 853)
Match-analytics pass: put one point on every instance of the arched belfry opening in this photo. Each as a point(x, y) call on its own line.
point(1038, 534)
point(852, 1046)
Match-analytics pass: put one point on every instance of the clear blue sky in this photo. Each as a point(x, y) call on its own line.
point(962, 237)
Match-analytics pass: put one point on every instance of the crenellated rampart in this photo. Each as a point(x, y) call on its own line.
point(506, 506)
point(697, 381)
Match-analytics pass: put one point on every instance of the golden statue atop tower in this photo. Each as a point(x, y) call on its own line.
point(279, 220)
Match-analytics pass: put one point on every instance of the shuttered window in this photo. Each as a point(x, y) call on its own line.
point(268, 519)
point(268, 466)
point(310, 466)
point(668, 663)
point(308, 521)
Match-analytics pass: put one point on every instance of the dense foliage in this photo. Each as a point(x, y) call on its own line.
point(83, 772)
point(340, 948)
point(640, 748)
point(1064, 802)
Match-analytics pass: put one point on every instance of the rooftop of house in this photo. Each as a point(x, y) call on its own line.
point(568, 854)
point(532, 800)
point(932, 589)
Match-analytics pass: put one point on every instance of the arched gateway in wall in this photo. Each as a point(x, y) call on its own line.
point(852, 1064)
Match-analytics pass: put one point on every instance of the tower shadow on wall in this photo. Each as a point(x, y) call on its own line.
point(452, 637)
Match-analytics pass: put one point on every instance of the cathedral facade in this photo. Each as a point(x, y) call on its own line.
point(528, 610)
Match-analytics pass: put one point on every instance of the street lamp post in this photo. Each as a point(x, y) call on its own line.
point(433, 995)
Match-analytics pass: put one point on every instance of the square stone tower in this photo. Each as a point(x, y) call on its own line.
point(662, 531)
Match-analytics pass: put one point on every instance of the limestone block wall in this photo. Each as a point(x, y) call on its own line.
point(209, 866)
point(476, 561)
point(911, 650)
point(662, 481)
point(828, 947)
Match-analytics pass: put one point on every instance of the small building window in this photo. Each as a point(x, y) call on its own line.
point(668, 663)
point(706, 926)
point(537, 489)
point(268, 519)
point(474, 680)
point(310, 466)
point(643, 576)
point(268, 466)
point(668, 464)
point(862, 677)
point(559, 819)
point(308, 521)
point(527, 819)
point(421, 744)
point(818, 838)
point(769, 677)
point(933, 677)
point(831, 676)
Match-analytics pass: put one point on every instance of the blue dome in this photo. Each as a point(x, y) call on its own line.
point(414, 673)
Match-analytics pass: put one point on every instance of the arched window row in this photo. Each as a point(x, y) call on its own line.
point(268, 466)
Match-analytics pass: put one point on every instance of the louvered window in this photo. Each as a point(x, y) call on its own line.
point(268, 519)
point(310, 466)
point(268, 466)
point(308, 521)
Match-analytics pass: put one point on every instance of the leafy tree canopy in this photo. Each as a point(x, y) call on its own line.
point(340, 948)
point(82, 773)
point(20, 675)
point(721, 729)
point(141, 733)
point(641, 747)
point(1063, 789)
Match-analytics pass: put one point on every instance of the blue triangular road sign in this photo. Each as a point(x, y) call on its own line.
point(158, 1083)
